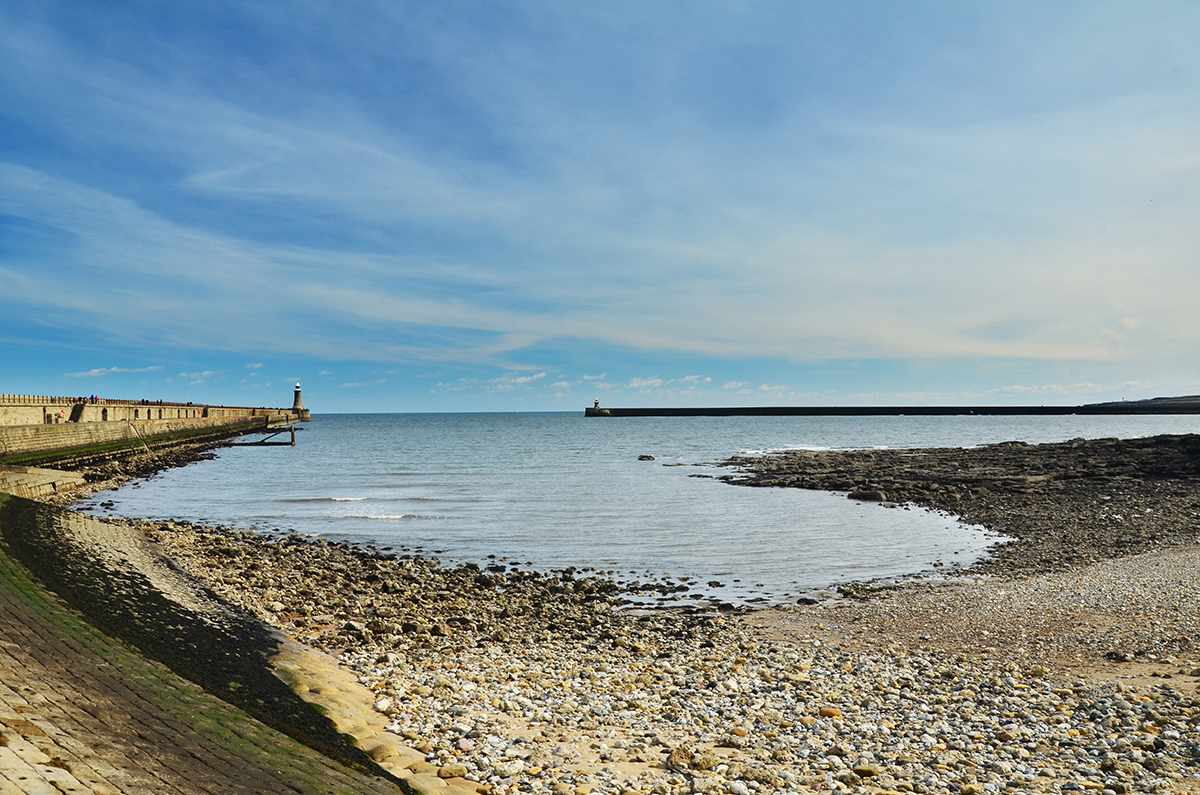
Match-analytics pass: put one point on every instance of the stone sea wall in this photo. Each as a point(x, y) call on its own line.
point(22, 441)
point(46, 410)
point(37, 429)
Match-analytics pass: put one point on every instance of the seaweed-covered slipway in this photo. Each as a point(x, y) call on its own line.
point(120, 674)
point(1072, 669)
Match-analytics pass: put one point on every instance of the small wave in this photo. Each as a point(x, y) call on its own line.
point(775, 450)
point(385, 517)
point(350, 499)
point(324, 499)
point(402, 517)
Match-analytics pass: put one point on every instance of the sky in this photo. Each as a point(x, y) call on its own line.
point(528, 206)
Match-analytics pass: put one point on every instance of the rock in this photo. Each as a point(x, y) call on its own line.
point(383, 751)
point(829, 712)
point(868, 495)
point(645, 458)
point(847, 777)
point(452, 771)
point(680, 758)
point(866, 771)
point(509, 768)
point(838, 749)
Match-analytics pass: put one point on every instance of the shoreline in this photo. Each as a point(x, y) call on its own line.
point(528, 681)
point(514, 681)
point(1063, 504)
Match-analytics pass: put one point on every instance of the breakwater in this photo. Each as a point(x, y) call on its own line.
point(33, 444)
point(38, 429)
point(47, 410)
point(1180, 405)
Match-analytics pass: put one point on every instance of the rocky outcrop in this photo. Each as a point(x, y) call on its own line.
point(1063, 504)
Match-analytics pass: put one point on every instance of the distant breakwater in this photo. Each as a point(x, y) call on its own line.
point(1184, 405)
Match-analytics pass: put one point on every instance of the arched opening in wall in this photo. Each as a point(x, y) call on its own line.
point(48, 419)
point(160, 414)
point(104, 415)
point(135, 413)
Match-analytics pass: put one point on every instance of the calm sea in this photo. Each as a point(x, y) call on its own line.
point(552, 490)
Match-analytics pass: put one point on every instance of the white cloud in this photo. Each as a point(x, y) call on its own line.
point(734, 385)
point(508, 382)
point(1062, 390)
point(100, 372)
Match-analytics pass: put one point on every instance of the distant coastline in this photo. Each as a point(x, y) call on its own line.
point(1162, 405)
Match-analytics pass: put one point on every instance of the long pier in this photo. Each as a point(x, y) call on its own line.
point(39, 430)
point(1181, 405)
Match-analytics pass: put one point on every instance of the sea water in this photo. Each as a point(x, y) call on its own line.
point(555, 490)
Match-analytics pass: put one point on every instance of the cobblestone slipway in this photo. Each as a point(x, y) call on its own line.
point(82, 713)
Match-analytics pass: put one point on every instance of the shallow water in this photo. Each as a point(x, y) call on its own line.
point(553, 490)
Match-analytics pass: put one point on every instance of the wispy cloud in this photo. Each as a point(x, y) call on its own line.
point(519, 198)
point(100, 372)
point(1064, 390)
point(509, 382)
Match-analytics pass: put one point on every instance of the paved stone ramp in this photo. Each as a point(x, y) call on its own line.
point(34, 482)
point(81, 713)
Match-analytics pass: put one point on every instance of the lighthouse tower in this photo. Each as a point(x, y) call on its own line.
point(297, 406)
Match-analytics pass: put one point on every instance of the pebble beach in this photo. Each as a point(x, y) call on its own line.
point(529, 682)
point(1052, 679)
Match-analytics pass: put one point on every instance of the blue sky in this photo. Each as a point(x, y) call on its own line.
point(528, 206)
